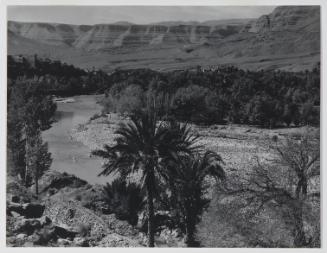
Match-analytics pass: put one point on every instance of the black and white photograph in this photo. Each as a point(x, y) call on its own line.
point(169, 126)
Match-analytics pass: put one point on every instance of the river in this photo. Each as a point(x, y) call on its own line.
point(68, 154)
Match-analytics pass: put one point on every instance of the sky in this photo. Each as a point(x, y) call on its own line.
point(89, 15)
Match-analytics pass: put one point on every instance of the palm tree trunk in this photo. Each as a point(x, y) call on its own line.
point(149, 185)
point(190, 229)
point(36, 183)
point(150, 217)
point(27, 163)
point(189, 237)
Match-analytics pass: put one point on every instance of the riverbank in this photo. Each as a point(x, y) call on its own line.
point(239, 145)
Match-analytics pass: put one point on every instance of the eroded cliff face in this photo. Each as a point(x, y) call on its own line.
point(289, 18)
point(288, 38)
point(105, 36)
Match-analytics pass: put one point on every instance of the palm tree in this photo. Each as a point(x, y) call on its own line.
point(124, 199)
point(190, 179)
point(144, 145)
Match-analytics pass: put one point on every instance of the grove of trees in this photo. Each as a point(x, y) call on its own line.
point(163, 152)
point(56, 77)
point(227, 94)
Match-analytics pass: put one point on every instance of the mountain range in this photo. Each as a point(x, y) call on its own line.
point(287, 39)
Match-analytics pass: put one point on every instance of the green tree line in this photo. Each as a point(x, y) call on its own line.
point(57, 78)
point(226, 94)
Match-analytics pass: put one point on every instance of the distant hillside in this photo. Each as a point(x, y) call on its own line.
point(288, 38)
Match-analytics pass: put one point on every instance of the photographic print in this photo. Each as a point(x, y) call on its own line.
point(163, 126)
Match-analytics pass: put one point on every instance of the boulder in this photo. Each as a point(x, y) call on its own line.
point(15, 207)
point(70, 214)
point(28, 244)
point(33, 210)
point(45, 220)
point(52, 181)
point(42, 232)
point(15, 199)
point(115, 240)
point(11, 241)
point(81, 242)
point(15, 214)
point(28, 226)
point(63, 242)
point(64, 233)
point(32, 238)
point(21, 236)
point(28, 210)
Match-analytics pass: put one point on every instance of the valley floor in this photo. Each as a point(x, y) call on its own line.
point(239, 145)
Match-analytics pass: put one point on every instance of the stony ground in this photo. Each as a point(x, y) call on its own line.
point(69, 213)
point(238, 145)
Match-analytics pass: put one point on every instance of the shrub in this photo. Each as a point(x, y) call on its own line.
point(127, 100)
point(125, 200)
point(95, 116)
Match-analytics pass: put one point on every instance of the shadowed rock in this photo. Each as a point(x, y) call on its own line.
point(27, 210)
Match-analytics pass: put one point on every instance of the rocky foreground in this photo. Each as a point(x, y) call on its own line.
point(69, 212)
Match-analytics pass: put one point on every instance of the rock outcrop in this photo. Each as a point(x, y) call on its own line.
point(289, 18)
point(69, 212)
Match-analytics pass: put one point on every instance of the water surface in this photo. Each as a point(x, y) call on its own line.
point(68, 154)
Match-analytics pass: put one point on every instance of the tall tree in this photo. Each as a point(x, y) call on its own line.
point(15, 136)
point(283, 186)
point(144, 145)
point(191, 186)
point(29, 110)
point(38, 158)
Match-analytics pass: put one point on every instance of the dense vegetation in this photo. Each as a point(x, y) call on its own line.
point(57, 78)
point(203, 96)
point(226, 94)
